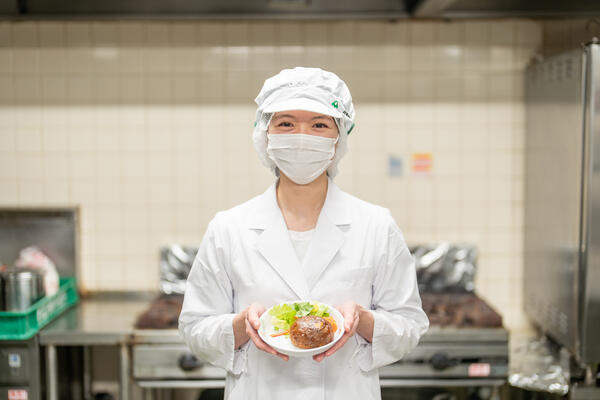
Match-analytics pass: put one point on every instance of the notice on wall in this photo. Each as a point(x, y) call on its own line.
point(14, 360)
point(422, 163)
point(395, 166)
point(17, 394)
point(479, 369)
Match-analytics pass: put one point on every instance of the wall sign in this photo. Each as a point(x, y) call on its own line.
point(17, 394)
point(395, 166)
point(422, 163)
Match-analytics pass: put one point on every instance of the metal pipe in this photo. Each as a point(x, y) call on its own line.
point(51, 372)
point(124, 372)
point(87, 373)
point(191, 384)
point(217, 383)
point(440, 382)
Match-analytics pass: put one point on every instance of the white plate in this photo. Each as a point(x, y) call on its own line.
point(284, 345)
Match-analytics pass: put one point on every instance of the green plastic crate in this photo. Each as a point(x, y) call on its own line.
point(25, 324)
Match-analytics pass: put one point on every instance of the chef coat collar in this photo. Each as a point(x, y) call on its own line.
point(275, 244)
point(335, 207)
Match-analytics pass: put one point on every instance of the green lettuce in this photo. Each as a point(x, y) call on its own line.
point(284, 315)
point(303, 309)
point(320, 310)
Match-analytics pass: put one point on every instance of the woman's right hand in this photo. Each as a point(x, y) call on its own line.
point(246, 325)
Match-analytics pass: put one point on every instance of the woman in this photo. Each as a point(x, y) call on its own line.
point(303, 239)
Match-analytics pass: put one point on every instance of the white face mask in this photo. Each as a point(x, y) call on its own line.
point(301, 157)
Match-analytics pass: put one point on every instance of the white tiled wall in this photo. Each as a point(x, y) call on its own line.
point(147, 127)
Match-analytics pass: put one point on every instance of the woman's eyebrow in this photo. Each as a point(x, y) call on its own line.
point(283, 116)
point(279, 116)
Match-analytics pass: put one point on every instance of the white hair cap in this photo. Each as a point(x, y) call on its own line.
point(309, 89)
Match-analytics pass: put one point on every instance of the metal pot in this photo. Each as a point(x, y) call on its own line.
point(22, 288)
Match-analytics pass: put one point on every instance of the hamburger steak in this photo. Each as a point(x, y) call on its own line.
point(310, 332)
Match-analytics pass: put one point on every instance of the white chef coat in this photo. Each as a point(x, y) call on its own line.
point(357, 253)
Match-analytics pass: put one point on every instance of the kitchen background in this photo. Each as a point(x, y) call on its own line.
point(147, 127)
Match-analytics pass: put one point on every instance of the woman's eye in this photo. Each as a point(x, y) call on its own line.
point(285, 124)
point(321, 125)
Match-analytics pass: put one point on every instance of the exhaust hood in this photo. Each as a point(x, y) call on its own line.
point(208, 9)
point(293, 9)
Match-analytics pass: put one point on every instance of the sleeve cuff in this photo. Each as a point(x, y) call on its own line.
point(365, 354)
point(384, 349)
point(234, 360)
point(240, 359)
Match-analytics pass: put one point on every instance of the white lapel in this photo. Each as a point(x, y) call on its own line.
point(328, 238)
point(275, 245)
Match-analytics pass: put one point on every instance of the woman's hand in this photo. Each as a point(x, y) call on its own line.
point(356, 320)
point(245, 327)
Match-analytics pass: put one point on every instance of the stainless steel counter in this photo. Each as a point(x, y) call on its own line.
point(105, 319)
point(109, 319)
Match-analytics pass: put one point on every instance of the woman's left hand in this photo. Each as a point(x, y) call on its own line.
point(356, 318)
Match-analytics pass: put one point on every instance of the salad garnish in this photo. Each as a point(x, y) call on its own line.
point(284, 315)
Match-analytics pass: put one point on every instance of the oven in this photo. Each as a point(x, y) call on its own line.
point(466, 345)
point(447, 356)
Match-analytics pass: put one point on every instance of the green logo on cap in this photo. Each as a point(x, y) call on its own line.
point(335, 104)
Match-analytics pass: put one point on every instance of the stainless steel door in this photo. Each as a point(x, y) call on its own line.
point(553, 177)
point(589, 279)
point(562, 200)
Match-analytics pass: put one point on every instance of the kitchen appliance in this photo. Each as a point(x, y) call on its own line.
point(54, 231)
point(562, 202)
point(20, 369)
point(465, 346)
point(448, 355)
point(21, 288)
